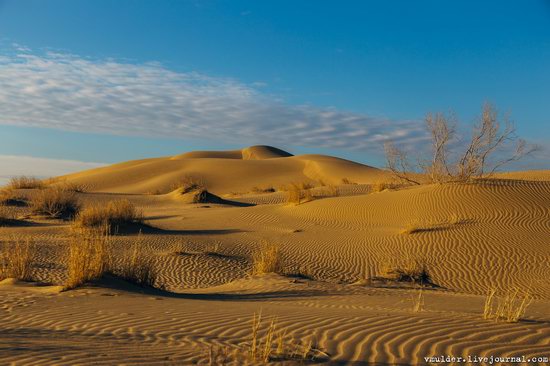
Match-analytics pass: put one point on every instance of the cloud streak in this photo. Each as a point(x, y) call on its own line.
point(13, 165)
point(68, 92)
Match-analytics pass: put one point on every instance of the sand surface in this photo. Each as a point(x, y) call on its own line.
point(473, 237)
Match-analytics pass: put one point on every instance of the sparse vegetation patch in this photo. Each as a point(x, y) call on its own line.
point(55, 202)
point(16, 257)
point(509, 307)
point(110, 216)
point(26, 182)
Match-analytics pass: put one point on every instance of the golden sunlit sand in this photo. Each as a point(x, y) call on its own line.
point(367, 271)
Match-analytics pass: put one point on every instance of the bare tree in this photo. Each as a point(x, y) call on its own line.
point(397, 162)
point(442, 132)
point(492, 145)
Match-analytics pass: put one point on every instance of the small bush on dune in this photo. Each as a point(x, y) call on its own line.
point(8, 215)
point(408, 270)
point(89, 256)
point(263, 189)
point(267, 259)
point(188, 184)
point(74, 187)
point(9, 197)
point(25, 182)
point(16, 259)
point(384, 185)
point(330, 190)
point(114, 214)
point(296, 194)
point(55, 202)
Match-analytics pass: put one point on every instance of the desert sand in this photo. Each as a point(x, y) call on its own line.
point(472, 237)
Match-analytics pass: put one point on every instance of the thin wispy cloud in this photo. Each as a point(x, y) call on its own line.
point(40, 167)
point(68, 92)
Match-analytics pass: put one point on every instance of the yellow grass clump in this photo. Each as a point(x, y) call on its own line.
point(267, 259)
point(510, 307)
point(137, 265)
point(8, 215)
point(188, 184)
point(110, 216)
point(55, 202)
point(275, 346)
point(16, 259)
point(297, 194)
point(89, 257)
point(267, 189)
point(26, 182)
point(9, 196)
point(381, 186)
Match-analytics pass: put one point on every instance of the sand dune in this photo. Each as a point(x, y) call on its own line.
point(472, 237)
point(225, 171)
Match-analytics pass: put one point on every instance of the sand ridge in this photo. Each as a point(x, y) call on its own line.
point(473, 237)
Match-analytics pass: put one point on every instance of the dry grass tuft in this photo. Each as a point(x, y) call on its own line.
point(385, 185)
point(26, 182)
point(110, 216)
point(89, 256)
point(16, 259)
point(510, 307)
point(418, 301)
point(189, 184)
point(296, 194)
point(260, 190)
point(267, 259)
point(276, 346)
point(55, 202)
point(8, 216)
point(408, 270)
point(137, 265)
point(74, 187)
point(9, 197)
point(328, 190)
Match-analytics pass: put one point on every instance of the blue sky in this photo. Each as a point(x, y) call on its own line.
point(104, 81)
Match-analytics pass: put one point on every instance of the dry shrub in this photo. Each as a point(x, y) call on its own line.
point(26, 182)
point(8, 216)
point(74, 187)
point(137, 265)
point(110, 216)
point(296, 194)
point(16, 259)
point(330, 190)
point(89, 256)
point(413, 270)
point(188, 184)
point(510, 307)
point(384, 185)
point(267, 259)
point(258, 190)
point(9, 197)
point(55, 202)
